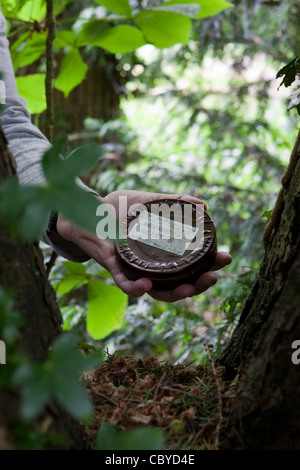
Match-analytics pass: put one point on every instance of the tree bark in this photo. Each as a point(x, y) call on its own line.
point(22, 268)
point(266, 414)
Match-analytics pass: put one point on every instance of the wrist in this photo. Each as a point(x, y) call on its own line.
point(64, 228)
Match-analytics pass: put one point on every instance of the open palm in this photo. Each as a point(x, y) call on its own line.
point(102, 251)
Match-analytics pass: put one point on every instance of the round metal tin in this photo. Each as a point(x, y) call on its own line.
point(153, 247)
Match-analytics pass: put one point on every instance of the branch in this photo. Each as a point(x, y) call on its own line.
point(50, 69)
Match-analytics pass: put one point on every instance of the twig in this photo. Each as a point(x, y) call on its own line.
point(50, 263)
point(158, 386)
point(50, 21)
point(50, 70)
point(219, 393)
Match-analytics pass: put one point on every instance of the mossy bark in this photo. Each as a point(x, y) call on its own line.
point(22, 269)
point(266, 414)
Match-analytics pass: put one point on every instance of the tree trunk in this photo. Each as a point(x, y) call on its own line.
point(22, 268)
point(265, 414)
point(98, 96)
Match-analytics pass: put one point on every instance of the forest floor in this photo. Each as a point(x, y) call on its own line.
point(189, 404)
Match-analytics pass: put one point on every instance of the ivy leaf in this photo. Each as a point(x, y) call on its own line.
point(121, 7)
point(207, 7)
point(32, 88)
point(289, 72)
point(164, 29)
point(120, 39)
point(106, 309)
point(72, 72)
point(110, 438)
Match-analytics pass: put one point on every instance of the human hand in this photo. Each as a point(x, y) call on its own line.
point(102, 251)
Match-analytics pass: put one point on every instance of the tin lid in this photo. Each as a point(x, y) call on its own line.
point(166, 238)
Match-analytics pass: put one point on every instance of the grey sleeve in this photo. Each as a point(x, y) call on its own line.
point(27, 143)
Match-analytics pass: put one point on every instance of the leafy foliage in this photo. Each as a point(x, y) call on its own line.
point(165, 25)
point(25, 209)
point(289, 72)
point(57, 377)
point(106, 303)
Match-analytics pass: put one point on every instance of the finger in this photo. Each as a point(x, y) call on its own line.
point(183, 197)
point(132, 288)
point(185, 290)
point(222, 259)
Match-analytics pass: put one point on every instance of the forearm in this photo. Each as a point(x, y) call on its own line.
point(27, 143)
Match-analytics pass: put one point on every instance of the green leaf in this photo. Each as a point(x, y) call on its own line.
point(28, 50)
point(75, 268)
point(35, 389)
point(164, 29)
point(188, 9)
point(32, 88)
point(32, 10)
point(121, 7)
point(90, 32)
point(110, 438)
point(11, 7)
point(82, 159)
point(35, 215)
point(64, 38)
point(25, 10)
point(62, 171)
point(120, 39)
point(289, 72)
point(69, 282)
point(25, 209)
point(59, 6)
point(106, 309)
point(72, 72)
point(65, 363)
point(267, 214)
point(72, 316)
point(57, 377)
point(35, 395)
point(75, 204)
point(208, 7)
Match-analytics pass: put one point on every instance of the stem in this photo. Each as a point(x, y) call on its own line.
point(50, 70)
point(50, 21)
